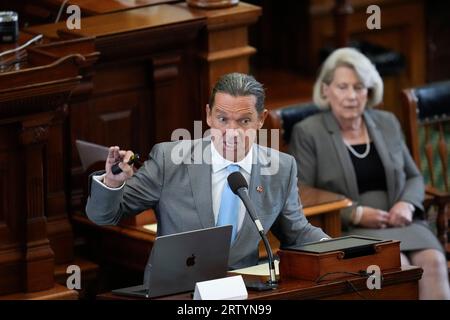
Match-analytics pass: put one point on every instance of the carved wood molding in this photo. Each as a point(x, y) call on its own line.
point(228, 54)
point(20, 105)
point(34, 135)
point(147, 41)
point(165, 68)
point(33, 106)
point(60, 114)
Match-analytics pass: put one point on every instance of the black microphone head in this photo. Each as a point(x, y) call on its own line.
point(236, 181)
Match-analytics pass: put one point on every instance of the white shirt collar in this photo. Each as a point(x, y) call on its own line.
point(218, 162)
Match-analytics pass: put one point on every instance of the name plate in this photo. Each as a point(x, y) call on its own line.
point(229, 288)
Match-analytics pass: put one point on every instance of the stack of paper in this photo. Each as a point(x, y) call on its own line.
point(258, 270)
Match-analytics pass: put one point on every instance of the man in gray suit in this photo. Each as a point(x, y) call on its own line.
point(184, 181)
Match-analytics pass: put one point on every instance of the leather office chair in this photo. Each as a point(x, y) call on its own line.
point(428, 135)
point(285, 118)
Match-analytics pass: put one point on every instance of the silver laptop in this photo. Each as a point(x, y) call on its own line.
point(178, 261)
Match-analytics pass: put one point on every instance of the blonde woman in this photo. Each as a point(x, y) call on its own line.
point(358, 151)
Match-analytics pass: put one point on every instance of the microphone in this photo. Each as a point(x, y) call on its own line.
point(115, 169)
point(239, 186)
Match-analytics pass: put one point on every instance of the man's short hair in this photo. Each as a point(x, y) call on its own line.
point(239, 85)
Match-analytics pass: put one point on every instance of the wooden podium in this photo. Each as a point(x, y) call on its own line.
point(296, 264)
point(32, 99)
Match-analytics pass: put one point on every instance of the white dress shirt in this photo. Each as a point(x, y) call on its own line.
point(219, 178)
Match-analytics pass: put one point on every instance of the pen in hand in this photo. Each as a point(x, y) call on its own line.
point(115, 169)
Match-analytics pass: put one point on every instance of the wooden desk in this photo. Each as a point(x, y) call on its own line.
point(129, 246)
point(34, 12)
point(397, 284)
point(58, 292)
point(95, 7)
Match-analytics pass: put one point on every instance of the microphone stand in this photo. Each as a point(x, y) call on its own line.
point(272, 282)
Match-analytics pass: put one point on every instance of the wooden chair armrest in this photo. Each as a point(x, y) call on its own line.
point(437, 193)
point(442, 202)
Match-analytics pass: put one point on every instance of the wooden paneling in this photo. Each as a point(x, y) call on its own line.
point(32, 106)
point(281, 35)
point(58, 150)
point(113, 118)
point(438, 41)
point(224, 46)
point(402, 30)
point(11, 195)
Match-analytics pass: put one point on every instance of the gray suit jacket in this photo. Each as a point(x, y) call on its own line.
point(182, 199)
point(324, 162)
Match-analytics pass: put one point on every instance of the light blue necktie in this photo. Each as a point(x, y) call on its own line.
point(229, 205)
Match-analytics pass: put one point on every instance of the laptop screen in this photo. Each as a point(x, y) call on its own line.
point(178, 261)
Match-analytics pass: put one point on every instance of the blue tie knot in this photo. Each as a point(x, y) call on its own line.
point(232, 168)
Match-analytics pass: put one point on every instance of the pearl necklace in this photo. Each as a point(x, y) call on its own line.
point(354, 152)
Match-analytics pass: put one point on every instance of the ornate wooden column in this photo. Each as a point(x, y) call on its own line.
point(38, 255)
point(30, 100)
point(60, 145)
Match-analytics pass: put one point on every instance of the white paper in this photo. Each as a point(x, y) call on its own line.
point(259, 269)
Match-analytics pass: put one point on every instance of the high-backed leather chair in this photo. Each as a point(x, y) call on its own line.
point(285, 118)
point(427, 132)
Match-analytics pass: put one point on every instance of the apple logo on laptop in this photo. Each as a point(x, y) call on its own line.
point(190, 261)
